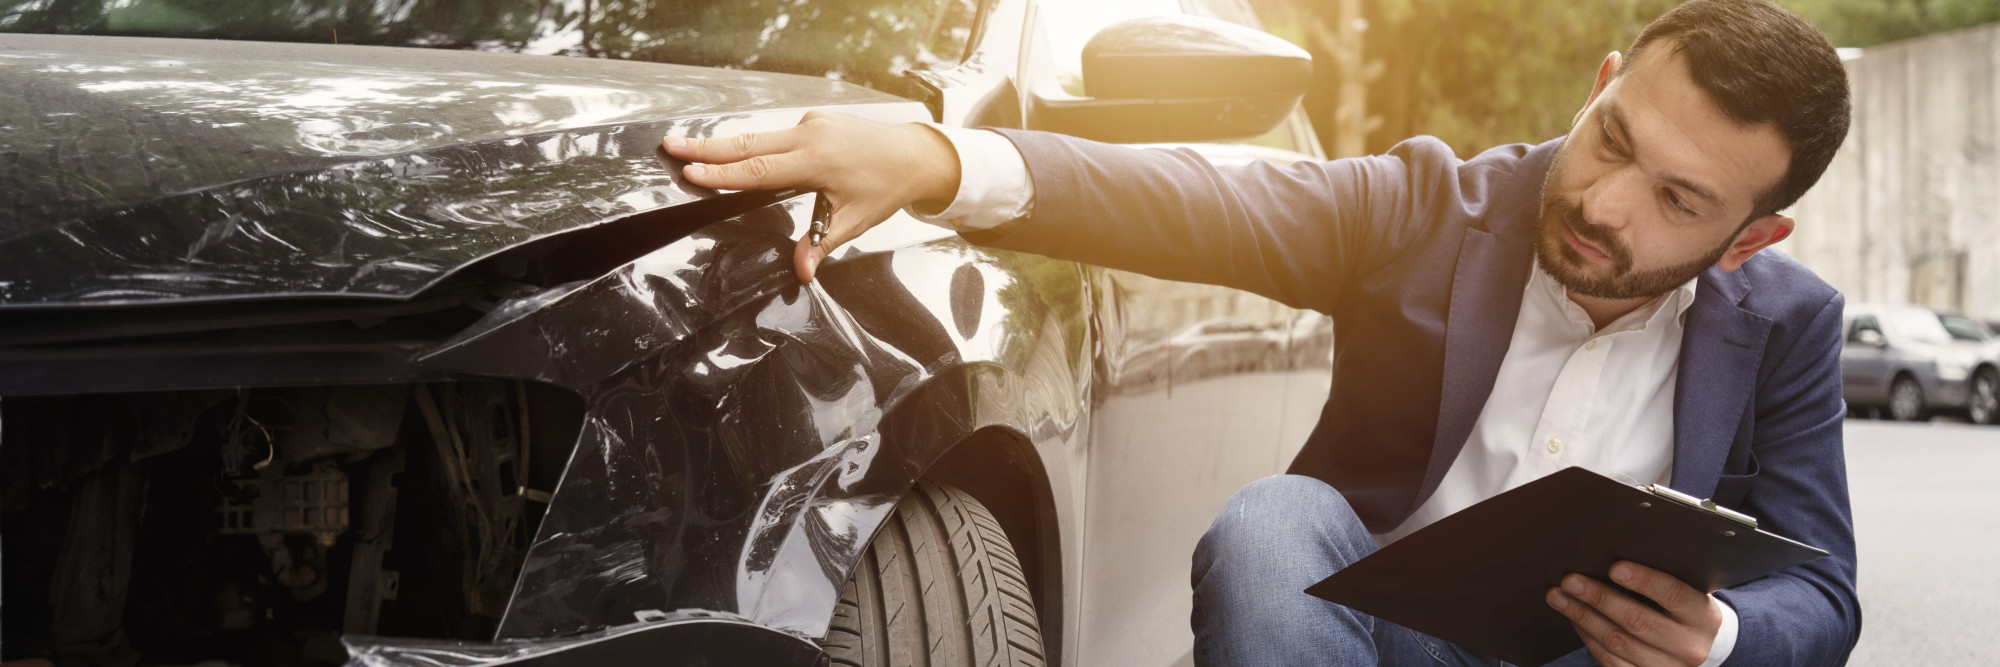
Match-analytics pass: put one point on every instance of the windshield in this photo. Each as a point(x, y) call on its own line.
point(1966, 329)
point(870, 42)
point(1916, 325)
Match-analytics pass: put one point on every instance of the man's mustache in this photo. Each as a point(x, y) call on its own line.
point(1570, 215)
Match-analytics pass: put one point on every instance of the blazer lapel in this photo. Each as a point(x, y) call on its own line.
point(1486, 290)
point(1721, 350)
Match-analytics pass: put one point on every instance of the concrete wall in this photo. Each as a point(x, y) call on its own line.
point(1909, 211)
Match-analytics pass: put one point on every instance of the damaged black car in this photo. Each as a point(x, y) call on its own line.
point(382, 333)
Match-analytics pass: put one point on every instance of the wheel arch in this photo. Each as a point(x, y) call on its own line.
point(746, 436)
point(1002, 468)
point(1896, 377)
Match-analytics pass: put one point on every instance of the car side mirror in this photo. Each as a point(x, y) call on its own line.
point(1178, 78)
point(1871, 338)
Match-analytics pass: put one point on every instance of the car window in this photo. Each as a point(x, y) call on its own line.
point(871, 42)
point(1965, 329)
point(1862, 323)
point(1295, 134)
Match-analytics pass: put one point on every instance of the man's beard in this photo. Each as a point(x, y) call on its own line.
point(1568, 266)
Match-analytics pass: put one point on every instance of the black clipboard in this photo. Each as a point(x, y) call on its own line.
point(1480, 577)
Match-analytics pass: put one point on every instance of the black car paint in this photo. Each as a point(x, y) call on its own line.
point(156, 170)
point(797, 414)
point(764, 428)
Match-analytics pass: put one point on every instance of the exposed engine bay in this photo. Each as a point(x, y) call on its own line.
point(257, 526)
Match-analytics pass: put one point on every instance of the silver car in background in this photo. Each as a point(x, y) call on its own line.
point(1982, 405)
point(1900, 360)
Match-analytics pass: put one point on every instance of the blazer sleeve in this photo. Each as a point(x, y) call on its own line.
point(1294, 233)
point(1809, 614)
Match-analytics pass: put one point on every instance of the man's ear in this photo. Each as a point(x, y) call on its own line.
point(1605, 72)
point(1758, 235)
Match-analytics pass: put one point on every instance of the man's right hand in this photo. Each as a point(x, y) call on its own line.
point(866, 171)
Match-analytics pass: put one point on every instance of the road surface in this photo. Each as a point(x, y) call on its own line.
point(1927, 521)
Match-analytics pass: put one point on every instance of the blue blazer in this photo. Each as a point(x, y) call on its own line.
point(1422, 259)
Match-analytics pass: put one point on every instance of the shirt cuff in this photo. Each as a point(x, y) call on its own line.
point(993, 183)
point(1725, 636)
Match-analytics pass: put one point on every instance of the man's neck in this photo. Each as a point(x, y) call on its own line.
point(1605, 311)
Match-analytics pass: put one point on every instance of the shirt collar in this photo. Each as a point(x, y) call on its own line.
point(1675, 301)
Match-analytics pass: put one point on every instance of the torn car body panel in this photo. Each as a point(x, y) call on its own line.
point(767, 423)
point(217, 246)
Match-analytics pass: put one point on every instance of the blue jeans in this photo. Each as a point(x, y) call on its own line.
point(1277, 536)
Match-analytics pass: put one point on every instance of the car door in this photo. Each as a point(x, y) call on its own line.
point(1201, 390)
point(1864, 367)
point(1169, 439)
point(1170, 445)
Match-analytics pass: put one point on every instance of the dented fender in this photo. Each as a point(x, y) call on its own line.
point(745, 435)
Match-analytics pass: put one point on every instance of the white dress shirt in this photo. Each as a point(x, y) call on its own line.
point(1568, 393)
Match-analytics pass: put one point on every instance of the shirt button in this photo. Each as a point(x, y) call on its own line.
point(1555, 445)
point(1592, 345)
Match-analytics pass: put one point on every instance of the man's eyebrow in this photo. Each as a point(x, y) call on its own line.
point(1614, 124)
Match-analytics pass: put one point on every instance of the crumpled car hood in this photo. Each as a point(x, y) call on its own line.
point(151, 170)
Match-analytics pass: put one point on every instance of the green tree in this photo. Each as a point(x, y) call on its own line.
point(1481, 73)
point(1870, 22)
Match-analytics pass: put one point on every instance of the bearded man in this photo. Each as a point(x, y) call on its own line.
point(1602, 300)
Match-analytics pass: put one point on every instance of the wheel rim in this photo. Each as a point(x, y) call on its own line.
point(1905, 403)
point(1985, 398)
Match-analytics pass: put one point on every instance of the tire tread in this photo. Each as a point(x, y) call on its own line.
point(940, 586)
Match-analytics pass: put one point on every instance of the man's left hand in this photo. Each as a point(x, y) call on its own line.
point(1620, 631)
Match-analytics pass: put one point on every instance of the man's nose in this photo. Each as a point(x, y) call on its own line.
point(1614, 200)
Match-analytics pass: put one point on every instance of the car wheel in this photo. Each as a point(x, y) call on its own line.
point(1984, 407)
point(939, 586)
point(1906, 400)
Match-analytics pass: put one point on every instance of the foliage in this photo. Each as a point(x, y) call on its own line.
point(1481, 73)
point(1871, 22)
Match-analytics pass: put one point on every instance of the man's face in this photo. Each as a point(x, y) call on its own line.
point(1653, 184)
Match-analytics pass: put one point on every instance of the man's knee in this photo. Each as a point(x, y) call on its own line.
point(1283, 500)
point(1280, 514)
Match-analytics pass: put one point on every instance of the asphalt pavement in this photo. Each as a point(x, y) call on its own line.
point(1927, 522)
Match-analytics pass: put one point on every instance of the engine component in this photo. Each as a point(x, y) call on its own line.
point(343, 421)
point(95, 566)
point(273, 505)
point(476, 431)
point(368, 585)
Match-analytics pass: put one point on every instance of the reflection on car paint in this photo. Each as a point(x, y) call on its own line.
point(744, 434)
point(735, 415)
point(313, 180)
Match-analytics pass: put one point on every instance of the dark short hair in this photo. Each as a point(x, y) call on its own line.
point(1762, 64)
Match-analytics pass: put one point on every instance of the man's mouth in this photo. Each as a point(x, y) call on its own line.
point(1582, 247)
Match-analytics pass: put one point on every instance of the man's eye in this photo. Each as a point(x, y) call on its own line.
point(1675, 199)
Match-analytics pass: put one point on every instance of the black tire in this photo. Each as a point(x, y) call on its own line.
point(1983, 406)
point(1906, 400)
point(938, 587)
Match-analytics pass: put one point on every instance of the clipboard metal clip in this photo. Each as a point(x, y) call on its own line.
point(1701, 504)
